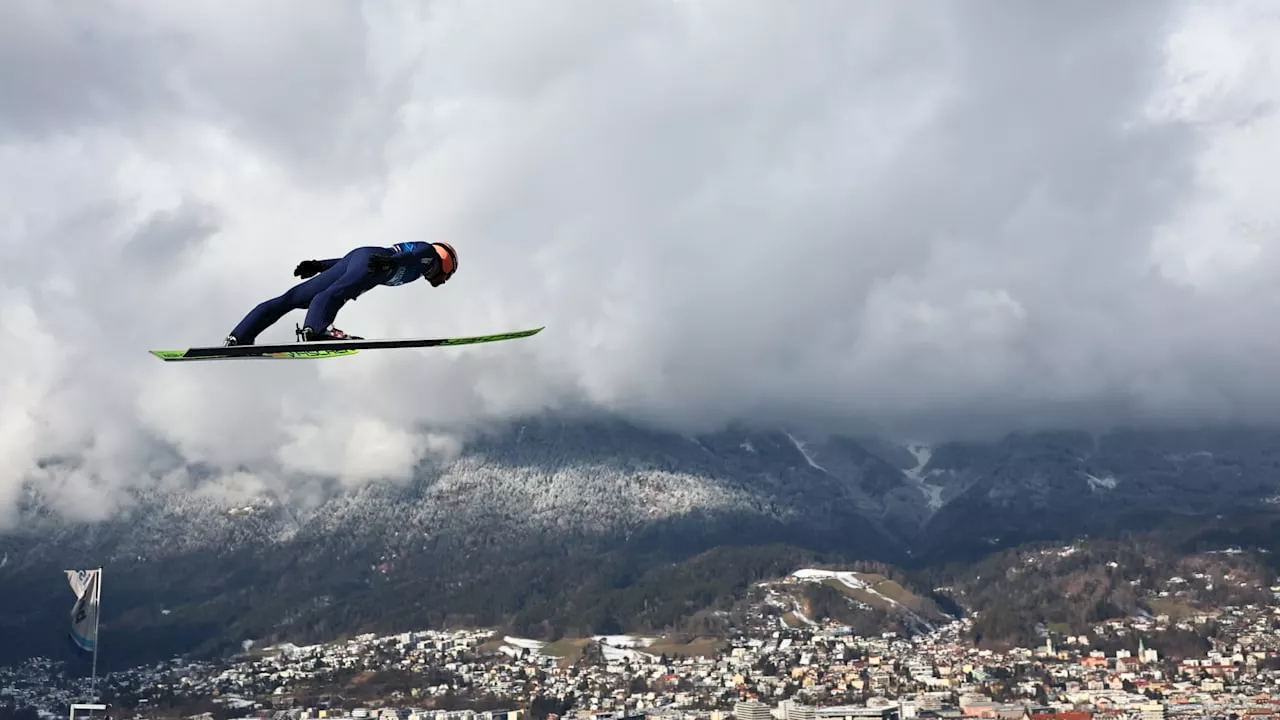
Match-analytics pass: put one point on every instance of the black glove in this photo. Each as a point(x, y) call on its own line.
point(379, 264)
point(307, 268)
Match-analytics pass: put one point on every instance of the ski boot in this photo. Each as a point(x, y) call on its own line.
point(306, 334)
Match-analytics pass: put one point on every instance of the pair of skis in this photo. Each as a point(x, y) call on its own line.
point(325, 348)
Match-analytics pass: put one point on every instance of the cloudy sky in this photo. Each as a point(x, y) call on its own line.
point(978, 215)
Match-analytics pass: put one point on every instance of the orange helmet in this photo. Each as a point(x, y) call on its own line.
point(448, 263)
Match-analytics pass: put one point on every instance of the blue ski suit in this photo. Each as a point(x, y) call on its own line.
point(340, 280)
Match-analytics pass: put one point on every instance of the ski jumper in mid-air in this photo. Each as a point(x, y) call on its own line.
point(339, 280)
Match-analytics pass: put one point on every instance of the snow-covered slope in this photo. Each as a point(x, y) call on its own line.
point(565, 488)
point(859, 593)
point(538, 477)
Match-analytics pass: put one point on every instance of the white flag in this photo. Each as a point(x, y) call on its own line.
point(84, 614)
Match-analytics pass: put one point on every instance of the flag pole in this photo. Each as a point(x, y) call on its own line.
point(97, 636)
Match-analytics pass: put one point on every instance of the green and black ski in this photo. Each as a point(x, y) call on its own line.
point(325, 348)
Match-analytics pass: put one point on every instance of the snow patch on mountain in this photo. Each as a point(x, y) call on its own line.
point(622, 647)
point(516, 646)
point(524, 643)
point(847, 579)
point(799, 613)
point(852, 581)
point(578, 497)
point(922, 453)
point(932, 493)
point(1107, 482)
point(932, 496)
point(801, 447)
point(624, 641)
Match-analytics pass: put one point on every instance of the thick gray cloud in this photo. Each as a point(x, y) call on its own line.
point(986, 217)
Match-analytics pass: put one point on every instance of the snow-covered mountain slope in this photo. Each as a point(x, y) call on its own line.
point(539, 499)
point(864, 600)
point(1061, 485)
point(540, 477)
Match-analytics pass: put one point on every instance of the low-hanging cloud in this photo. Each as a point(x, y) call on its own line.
point(979, 218)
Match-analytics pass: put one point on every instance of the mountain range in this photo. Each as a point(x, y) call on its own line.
point(553, 527)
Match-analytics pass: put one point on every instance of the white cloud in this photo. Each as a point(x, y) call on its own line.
point(973, 219)
point(352, 449)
